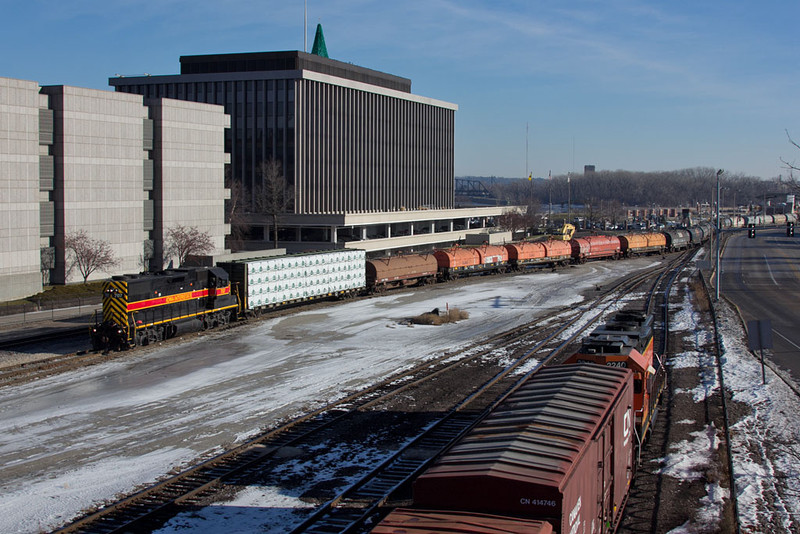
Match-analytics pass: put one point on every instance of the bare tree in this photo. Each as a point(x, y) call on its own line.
point(48, 261)
point(183, 241)
point(146, 255)
point(792, 167)
point(512, 220)
point(234, 213)
point(88, 254)
point(275, 196)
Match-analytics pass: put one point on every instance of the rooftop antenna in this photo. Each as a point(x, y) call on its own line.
point(305, 25)
point(526, 149)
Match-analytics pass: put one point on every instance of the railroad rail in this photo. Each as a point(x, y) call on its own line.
point(360, 504)
point(150, 507)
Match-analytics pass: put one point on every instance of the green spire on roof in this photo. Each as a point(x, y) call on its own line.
point(319, 47)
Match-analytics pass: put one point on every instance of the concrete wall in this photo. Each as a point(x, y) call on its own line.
point(98, 149)
point(20, 275)
point(189, 163)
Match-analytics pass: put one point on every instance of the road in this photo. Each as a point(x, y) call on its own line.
point(762, 277)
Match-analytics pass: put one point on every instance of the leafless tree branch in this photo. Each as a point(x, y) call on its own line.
point(88, 254)
point(183, 241)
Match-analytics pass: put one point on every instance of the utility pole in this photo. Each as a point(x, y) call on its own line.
point(716, 270)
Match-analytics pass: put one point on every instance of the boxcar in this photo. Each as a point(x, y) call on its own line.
point(397, 271)
point(411, 521)
point(558, 449)
point(281, 280)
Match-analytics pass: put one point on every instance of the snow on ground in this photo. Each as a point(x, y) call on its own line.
point(72, 441)
point(75, 440)
point(765, 443)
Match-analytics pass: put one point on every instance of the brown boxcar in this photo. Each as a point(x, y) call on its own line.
point(410, 521)
point(594, 247)
point(396, 271)
point(559, 449)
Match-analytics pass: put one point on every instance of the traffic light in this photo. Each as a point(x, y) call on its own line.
point(790, 229)
point(751, 231)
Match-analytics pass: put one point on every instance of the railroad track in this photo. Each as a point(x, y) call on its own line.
point(360, 505)
point(149, 508)
point(650, 487)
point(64, 333)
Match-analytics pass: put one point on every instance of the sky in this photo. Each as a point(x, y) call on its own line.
point(542, 86)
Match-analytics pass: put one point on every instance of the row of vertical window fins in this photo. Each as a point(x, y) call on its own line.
point(397, 153)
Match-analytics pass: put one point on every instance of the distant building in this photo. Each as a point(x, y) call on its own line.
point(365, 158)
point(588, 170)
point(120, 168)
point(350, 139)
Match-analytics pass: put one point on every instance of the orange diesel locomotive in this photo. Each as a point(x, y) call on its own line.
point(627, 341)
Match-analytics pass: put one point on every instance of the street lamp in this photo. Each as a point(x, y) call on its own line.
point(716, 269)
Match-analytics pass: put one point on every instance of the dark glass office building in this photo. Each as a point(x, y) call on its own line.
point(349, 139)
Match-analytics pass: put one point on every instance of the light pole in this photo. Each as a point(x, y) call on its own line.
point(716, 269)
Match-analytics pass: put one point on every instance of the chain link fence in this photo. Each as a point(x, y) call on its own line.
point(45, 310)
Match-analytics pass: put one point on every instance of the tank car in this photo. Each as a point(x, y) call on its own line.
point(399, 271)
point(558, 449)
point(779, 219)
point(282, 280)
point(139, 309)
point(677, 239)
point(699, 233)
point(626, 340)
point(757, 220)
point(595, 247)
point(463, 261)
point(410, 521)
point(636, 244)
point(527, 254)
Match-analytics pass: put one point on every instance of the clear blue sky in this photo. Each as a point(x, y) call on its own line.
point(621, 84)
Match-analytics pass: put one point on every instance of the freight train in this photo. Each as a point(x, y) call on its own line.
point(626, 341)
point(556, 455)
point(146, 308)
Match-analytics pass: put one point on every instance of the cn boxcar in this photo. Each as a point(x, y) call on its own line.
point(282, 280)
point(139, 309)
point(398, 271)
point(411, 521)
point(558, 449)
